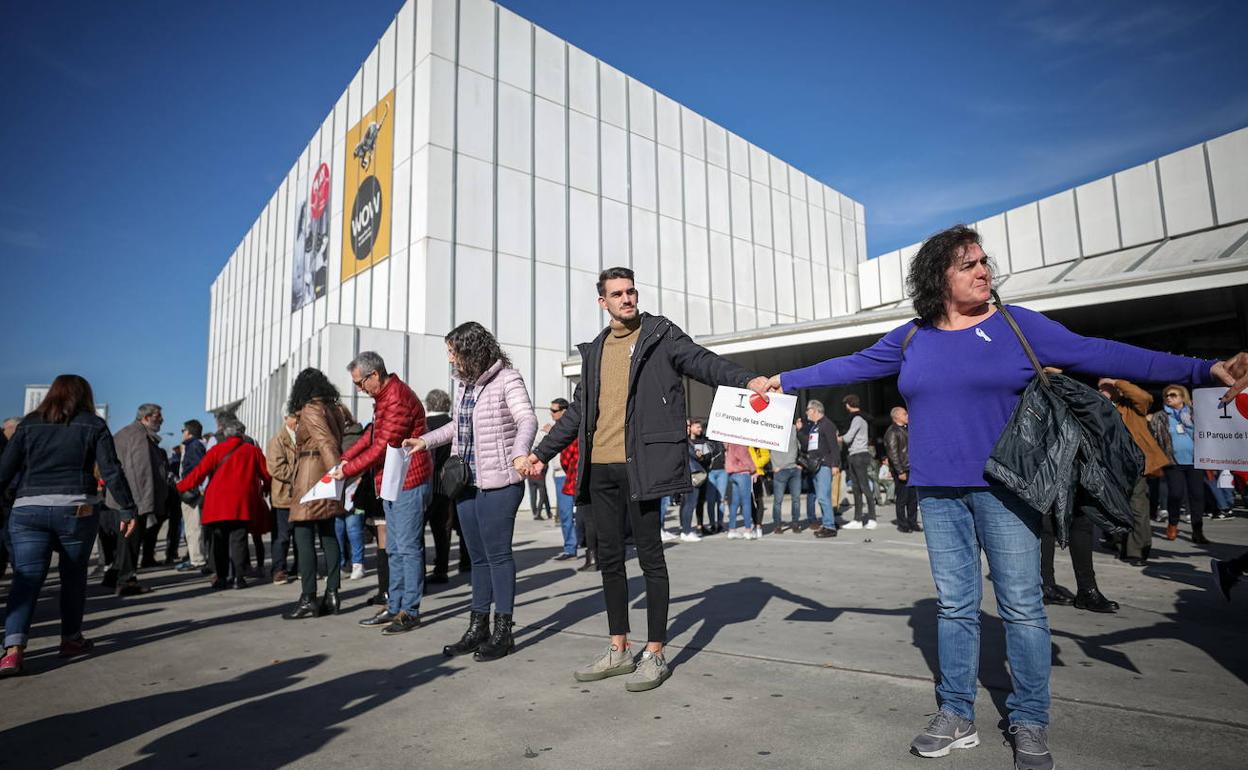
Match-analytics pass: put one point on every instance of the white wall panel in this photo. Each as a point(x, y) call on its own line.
point(692, 134)
point(747, 318)
point(474, 203)
point(644, 175)
point(640, 109)
point(549, 67)
point(403, 120)
point(786, 302)
point(401, 207)
point(1228, 163)
point(379, 306)
point(441, 102)
point(385, 62)
point(719, 213)
point(476, 115)
point(515, 213)
point(441, 26)
point(669, 182)
point(368, 92)
point(1024, 225)
point(723, 319)
point(422, 114)
point(860, 243)
point(819, 241)
point(613, 96)
point(551, 220)
point(437, 307)
point(476, 35)
point(583, 231)
point(907, 255)
point(760, 211)
point(1185, 191)
point(583, 152)
point(673, 306)
point(646, 245)
point(697, 262)
point(412, 305)
point(698, 322)
point(716, 145)
point(765, 276)
point(671, 254)
point(995, 240)
point(423, 24)
point(738, 155)
point(406, 39)
point(582, 82)
point(782, 226)
point(615, 243)
point(1139, 205)
point(515, 298)
point(667, 118)
point(743, 272)
point(890, 276)
point(551, 297)
point(548, 379)
point(760, 166)
point(695, 190)
point(1058, 228)
point(474, 292)
point(720, 247)
point(550, 146)
point(515, 135)
point(584, 313)
point(515, 50)
point(1098, 217)
point(819, 288)
point(798, 184)
point(739, 200)
point(778, 173)
point(614, 162)
point(801, 229)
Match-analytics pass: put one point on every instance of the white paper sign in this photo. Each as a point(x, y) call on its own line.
point(741, 416)
point(325, 489)
point(1221, 430)
point(393, 473)
point(348, 498)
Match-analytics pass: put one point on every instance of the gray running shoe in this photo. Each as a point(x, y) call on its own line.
point(613, 662)
point(1031, 747)
point(651, 672)
point(947, 731)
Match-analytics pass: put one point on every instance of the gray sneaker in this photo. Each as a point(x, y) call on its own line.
point(947, 731)
point(613, 662)
point(651, 672)
point(1031, 747)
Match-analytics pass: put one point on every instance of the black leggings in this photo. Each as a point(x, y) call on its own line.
point(229, 546)
point(305, 549)
point(1185, 484)
point(1080, 551)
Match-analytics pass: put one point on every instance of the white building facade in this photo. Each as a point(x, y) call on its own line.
point(488, 170)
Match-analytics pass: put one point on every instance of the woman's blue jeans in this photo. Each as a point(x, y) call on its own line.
point(742, 499)
point(350, 531)
point(716, 494)
point(960, 522)
point(487, 518)
point(37, 531)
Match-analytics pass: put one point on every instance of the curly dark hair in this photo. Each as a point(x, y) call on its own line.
point(310, 384)
point(475, 350)
point(926, 282)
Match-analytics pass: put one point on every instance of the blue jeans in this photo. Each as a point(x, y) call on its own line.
point(688, 504)
point(786, 480)
point(823, 493)
point(716, 493)
point(35, 532)
point(742, 499)
point(566, 505)
point(350, 531)
point(487, 518)
point(405, 534)
point(960, 521)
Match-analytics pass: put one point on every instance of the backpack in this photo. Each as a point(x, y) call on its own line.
point(352, 430)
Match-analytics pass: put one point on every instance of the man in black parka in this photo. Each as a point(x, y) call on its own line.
point(629, 414)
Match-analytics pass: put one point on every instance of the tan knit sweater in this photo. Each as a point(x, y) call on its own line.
point(617, 352)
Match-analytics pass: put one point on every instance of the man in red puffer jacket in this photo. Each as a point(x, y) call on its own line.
point(397, 415)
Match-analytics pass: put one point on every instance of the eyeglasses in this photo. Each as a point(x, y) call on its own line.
point(556, 411)
point(360, 382)
point(1174, 395)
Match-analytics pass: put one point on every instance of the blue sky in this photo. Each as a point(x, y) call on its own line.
point(141, 139)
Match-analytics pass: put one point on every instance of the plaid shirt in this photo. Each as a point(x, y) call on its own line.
point(467, 452)
point(568, 458)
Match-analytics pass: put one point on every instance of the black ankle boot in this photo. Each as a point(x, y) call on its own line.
point(500, 642)
point(1094, 601)
point(590, 565)
point(478, 632)
point(1055, 594)
point(306, 608)
point(330, 604)
point(1198, 535)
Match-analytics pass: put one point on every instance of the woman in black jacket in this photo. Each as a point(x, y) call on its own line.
point(56, 450)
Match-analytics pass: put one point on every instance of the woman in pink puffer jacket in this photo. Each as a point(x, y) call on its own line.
point(492, 428)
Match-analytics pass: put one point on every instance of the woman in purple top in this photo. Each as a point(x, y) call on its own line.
point(962, 374)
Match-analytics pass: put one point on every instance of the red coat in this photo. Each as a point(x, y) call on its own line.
point(236, 491)
point(397, 415)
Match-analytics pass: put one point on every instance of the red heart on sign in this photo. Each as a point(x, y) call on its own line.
point(325, 479)
point(759, 402)
point(1241, 403)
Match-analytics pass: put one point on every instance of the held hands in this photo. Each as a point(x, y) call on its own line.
point(773, 384)
point(414, 445)
point(533, 467)
point(758, 385)
point(1233, 372)
point(127, 527)
point(523, 467)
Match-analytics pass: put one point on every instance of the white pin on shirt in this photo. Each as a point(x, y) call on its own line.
point(982, 334)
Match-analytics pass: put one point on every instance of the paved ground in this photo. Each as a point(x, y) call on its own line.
point(788, 652)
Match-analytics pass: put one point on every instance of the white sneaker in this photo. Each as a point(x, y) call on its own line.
point(855, 524)
point(690, 537)
point(758, 533)
point(666, 536)
point(871, 524)
point(733, 534)
point(357, 572)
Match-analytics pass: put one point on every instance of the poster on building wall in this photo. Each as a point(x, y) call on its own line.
point(311, 245)
point(368, 189)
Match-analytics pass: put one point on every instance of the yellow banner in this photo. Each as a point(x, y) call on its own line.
point(368, 186)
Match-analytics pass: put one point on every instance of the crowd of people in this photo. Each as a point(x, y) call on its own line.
point(622, 452)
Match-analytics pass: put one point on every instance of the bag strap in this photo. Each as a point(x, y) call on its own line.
point(1031, 354)
point(223, 459)
point(909, 335)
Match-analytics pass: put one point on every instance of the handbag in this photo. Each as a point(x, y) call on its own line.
point(698, 478)
point(809, 464)
point(196, 496)
point(454, 476)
